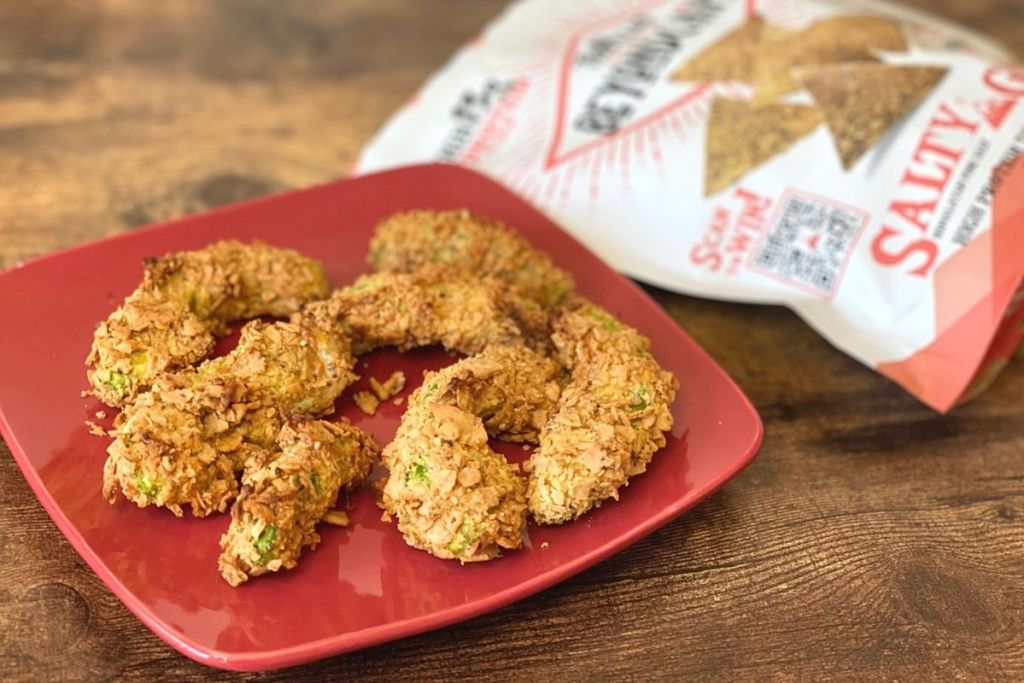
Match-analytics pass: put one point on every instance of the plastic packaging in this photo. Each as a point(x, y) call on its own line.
point(859, 162)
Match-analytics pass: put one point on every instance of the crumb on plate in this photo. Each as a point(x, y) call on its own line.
point(336, 517)
point(366, 402)
point(390, 387)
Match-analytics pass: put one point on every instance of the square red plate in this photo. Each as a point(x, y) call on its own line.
point(363, 585)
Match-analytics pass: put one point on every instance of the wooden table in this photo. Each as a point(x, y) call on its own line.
point(871, 539)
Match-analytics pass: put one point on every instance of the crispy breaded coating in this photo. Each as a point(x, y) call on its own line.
point(450, 493)
point(146, 336)
point(513, 389)
point(611, 417)
point(181, 442)
point(300, 366)
point(434, 305)
point(185, 300)
point(287, 492)
point(407, 241)
point(178, 444)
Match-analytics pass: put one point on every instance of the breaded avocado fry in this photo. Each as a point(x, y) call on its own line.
point(611, 417)
point(181, 442)
point(449, 492)
point(185, 300)
point(407, 241)
point(434, 305)
point(287, 492)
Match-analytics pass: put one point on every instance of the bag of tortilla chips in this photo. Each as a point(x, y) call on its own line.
point(856, 161)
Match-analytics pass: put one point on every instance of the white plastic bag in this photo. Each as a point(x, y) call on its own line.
point(858, 162)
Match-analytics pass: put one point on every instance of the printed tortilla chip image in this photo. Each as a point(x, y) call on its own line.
point(771, 75)
point(863, 100)
point(763, 54)
point(848, 39)
point(743, 136)
point(728, 59)
point(838, 39)
point(833, 40)
point(748, 54)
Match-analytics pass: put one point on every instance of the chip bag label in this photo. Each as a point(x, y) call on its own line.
point(856, 161)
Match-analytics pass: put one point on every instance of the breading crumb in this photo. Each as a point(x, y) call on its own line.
point(95, 429)
point(366, 402)
point(544, 545)
point(101, 415)
point(336, 517)
point(398, 401)
point(391, 386)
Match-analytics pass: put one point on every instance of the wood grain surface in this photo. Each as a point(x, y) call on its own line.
point(872, 539)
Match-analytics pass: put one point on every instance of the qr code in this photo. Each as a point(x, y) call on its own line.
point(809, 243)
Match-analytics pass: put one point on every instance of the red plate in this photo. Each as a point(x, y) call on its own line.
point(363, 585)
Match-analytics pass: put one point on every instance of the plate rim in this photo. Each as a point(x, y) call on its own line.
point(341, 643)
